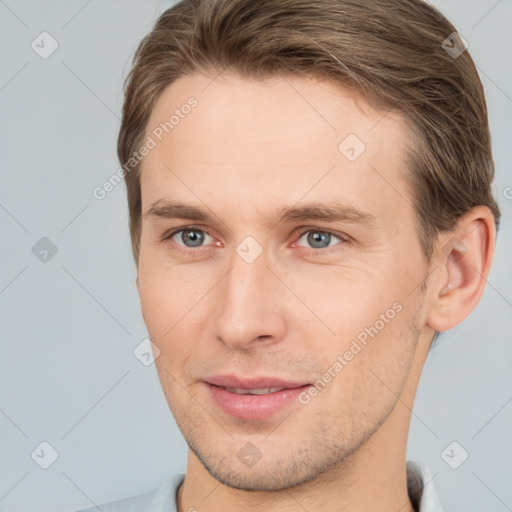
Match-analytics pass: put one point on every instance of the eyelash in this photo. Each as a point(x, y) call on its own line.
point(344, 238)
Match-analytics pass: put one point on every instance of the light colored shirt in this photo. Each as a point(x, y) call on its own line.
point(420, 486)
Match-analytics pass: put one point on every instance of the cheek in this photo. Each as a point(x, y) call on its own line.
point(348, 302)
point(368, 367)
point(369, 315)
point(166, 296)
point(170, 300)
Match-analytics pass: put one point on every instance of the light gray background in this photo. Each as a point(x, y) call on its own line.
point(69, 326)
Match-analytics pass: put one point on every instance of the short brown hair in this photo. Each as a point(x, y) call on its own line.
point(391, 52)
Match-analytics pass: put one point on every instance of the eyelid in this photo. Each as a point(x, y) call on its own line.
point(169, 234)
point(303, 230)
point(341, 236)
point(173, 231)
point(344, 239)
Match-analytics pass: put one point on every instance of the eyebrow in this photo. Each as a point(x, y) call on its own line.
point(325, 211)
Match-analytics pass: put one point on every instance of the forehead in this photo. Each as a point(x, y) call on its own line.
point(286, 105)
point(275, 139)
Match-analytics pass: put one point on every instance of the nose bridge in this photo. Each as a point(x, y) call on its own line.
point(248, 300)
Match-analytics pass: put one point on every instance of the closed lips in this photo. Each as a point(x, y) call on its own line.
point(262, 391)
point(254, 385)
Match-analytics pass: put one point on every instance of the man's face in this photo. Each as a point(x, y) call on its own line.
point(247, 294)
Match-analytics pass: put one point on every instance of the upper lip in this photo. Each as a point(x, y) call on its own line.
point(232, 381)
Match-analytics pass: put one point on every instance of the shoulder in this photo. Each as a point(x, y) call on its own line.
point(162, 499)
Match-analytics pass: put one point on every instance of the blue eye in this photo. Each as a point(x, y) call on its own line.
point(190, 237)
point(319, 239)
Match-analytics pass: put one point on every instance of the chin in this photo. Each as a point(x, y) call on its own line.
point(283, 471)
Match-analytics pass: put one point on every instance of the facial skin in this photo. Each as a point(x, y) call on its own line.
point(248, 150)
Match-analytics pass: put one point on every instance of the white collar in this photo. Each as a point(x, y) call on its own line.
point(421, 489)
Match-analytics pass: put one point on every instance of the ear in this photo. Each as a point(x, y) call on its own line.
point(463, 260)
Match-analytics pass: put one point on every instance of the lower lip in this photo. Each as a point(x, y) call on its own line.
point(253, 407)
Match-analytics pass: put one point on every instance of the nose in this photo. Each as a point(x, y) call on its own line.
point(251, 305)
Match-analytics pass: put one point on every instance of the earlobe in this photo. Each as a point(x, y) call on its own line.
point(463, 261)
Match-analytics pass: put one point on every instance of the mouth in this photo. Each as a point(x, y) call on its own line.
point(253, 399)
point(261, 391)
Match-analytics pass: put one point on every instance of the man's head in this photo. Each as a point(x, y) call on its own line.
point(312, 205)
point(391, 52)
